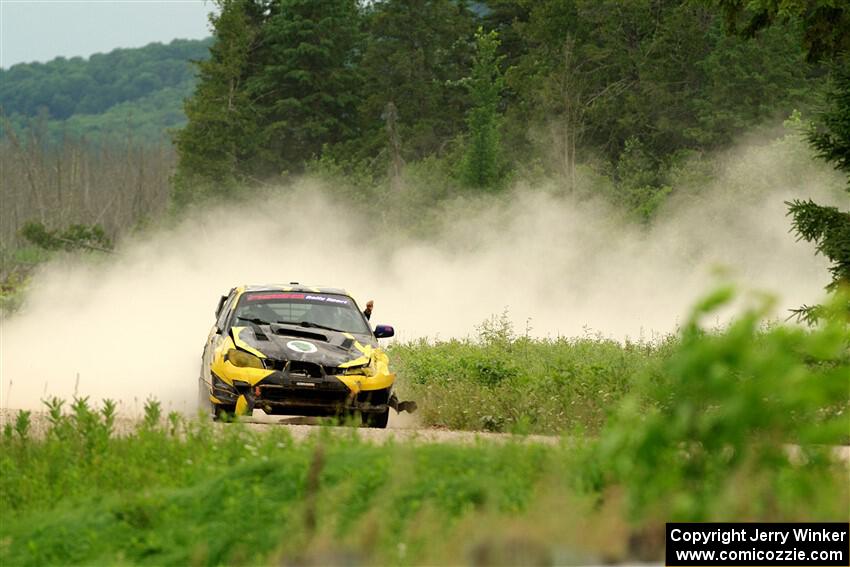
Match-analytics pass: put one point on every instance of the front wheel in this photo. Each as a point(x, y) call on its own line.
point(224, 412)
point(376, 420)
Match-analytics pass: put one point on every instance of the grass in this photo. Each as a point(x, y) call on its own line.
point(501, 382)
point(182, 492)
point(188, 494)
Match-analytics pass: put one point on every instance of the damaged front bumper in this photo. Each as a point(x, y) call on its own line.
point(288, 393)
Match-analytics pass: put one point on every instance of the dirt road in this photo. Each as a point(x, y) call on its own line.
point(401, 428)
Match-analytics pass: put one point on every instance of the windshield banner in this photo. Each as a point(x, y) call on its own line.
point(310, 298)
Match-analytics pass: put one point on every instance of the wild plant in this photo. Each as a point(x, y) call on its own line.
point(84, 419)
point(22, 424)
point(108, 412)
point(728, 403)
point(153, 413)
point(59, 426)
point(174, 423)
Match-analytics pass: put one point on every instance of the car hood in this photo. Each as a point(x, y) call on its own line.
point(320, 346)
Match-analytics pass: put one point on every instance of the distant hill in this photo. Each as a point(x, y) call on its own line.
point(136, 92)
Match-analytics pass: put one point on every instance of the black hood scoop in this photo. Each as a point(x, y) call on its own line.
point(299, 333)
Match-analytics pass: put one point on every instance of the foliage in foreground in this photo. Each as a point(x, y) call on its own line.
point(186, 493)
point(732, 405)
point(731, 425)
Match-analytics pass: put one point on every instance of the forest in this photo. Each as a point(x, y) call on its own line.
point(107, 95)
point(408, 106)
point(419, 101)
point(630, 89)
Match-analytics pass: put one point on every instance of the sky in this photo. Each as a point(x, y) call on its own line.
point(41, 30)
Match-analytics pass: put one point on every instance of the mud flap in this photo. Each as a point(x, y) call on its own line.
point(244, 404)
point(408, 406)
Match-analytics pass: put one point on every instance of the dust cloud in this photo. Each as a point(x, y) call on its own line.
point(134, 325)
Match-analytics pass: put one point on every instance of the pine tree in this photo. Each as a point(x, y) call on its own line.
point(217, 137)
point(306, 92)
point(416, 53)
point(828, 227)
point(482, 164)
point(831, 140)
point(825, 28)
point(824, 24)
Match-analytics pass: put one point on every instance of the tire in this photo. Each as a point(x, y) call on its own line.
point(223, 412)
point(377, 420)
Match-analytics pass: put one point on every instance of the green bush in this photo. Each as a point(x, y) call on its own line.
point(742, 406)
point(74, 237)
point(501, 382)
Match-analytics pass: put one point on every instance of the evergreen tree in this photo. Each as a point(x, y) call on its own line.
point(824, 24)
point(305, 94)
point(596, 73)
point(825, 27)
point(417, 51)
point(828, 227)
point(482, 164)
point(220, 128)
point(831, 137)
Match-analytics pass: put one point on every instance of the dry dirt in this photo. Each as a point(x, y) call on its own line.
point(402, 427)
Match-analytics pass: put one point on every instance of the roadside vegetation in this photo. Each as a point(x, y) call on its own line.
point(722, 414)
point(501, 382)
point(498, 381)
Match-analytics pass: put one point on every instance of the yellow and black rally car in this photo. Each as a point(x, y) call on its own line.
point(296, 350)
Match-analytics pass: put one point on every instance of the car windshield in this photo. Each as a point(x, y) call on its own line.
point(320, 310)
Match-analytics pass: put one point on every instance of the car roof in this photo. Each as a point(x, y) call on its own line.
point(294, 286)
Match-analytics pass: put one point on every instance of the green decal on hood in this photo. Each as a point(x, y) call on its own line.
point(302, 346)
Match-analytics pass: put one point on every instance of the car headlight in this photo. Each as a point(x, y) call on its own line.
point(243, 359)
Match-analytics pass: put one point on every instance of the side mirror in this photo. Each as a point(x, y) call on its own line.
point(384, 331)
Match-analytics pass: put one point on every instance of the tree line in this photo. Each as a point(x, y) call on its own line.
point(104, 98)
point(64, 87)
point(372, 85)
